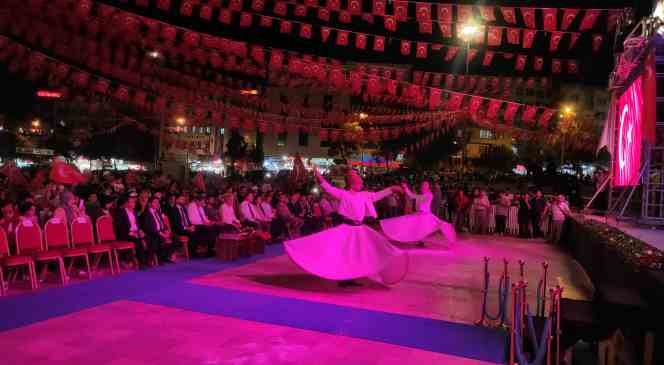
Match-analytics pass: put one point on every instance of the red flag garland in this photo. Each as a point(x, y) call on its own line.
point(487, 13)
point(528, 38)
point(528, 15)
point(508, 14)
point(550, 19)
point(589, 19)
point(568, 17)
point(556, 37)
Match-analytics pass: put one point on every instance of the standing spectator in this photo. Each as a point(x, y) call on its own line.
point(524, 215)
point(559, 211)
point(537, 206)
point(480, 210)
point(462, 203)
point(502, 210)
point(437, 200)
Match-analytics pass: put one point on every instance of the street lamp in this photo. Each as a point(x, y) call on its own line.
point(468, 32)
point(180, 120)
point(567, 120)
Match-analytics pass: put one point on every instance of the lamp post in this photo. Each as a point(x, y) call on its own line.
point(567, 122)
point(467, 32)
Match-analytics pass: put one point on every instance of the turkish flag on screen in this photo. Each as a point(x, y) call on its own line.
point(63, 173)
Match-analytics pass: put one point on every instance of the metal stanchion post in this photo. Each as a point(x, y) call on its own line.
point(545, 265)
point(559, 294)
point(485, 291)
point(506, 278)
point(515, 322)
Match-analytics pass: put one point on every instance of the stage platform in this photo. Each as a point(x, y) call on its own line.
point(651, 236)
point(264, 310)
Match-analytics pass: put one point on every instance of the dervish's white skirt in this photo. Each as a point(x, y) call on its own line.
point(349, 252)
point(413, 228)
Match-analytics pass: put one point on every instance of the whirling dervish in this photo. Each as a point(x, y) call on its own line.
point(414, 228)
point(351, 250)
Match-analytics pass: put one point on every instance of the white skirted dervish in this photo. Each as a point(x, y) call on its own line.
point(351, 250)
point(414, 228)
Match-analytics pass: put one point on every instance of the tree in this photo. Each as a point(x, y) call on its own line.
point(440, 149)
point(236, 149)
point(497, 159)
point(257, 155)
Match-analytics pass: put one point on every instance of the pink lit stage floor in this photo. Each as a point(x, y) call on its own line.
point(129, 333)
point(443, 283)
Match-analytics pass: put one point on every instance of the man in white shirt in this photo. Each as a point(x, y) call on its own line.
point(559, 212)
point(227, 213)
point(205, 230)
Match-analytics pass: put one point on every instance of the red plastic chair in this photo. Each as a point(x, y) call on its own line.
point(56, 236)
point(182, 240)
point(83, 237)
point(9, 261)
point(105, 234)
point(29, 241)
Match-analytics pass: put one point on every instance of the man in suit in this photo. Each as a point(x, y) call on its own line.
point(157, 235)
point(126, 226)
point(182, 225)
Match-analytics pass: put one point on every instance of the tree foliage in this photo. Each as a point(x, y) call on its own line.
point(236, 148)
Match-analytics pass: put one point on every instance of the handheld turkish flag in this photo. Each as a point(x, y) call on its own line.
point(63, 173)
point(13, 174)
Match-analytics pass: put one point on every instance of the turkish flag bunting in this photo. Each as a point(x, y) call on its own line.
point(379, 43)
point(445, 29)
point(449, 81)
point(300, 10)
point(589, 19)
point(417, 77)
point(597, 42)
point(556, 37)
point(528, 38)
point(392, 86)
point(455, 101)
point(258, 5)
point(206, 12)
point(286, 27)
point(451, 53)
point(423, 12)
point(435, 81)
point(612, 19)
point(390, 23)
point(475, 104)
point(325, 33)
point(445, 13)
point(405, 48)
point(528, 15)
point(513, 35)
point(305, 31)
point(521, 60)
point(556, 66)
point(63, 173)
point(356, 82)
point(324, 14)
point(276, 59)
point(421, 50)
point(488, 58)
point(342, 37)
point(545, 118)
point(344, 17)
point(280, 8)
point(568, 17)
point(235, 5)
point(508, 14)
point(538, 63)
point(360, 41)
point(258, 54)
point(529, 114)
point(492, 110)
point(333, 5)
point(470, 55)
point(401, 10)
point(355, 7)
point(550, 19)
point(574, 38)
point(572, 67)
point(379, 7)
point(486, 11)
point(510, 112)
point(426, 27)
point(245, 19)
point(225, 16)
point(164, 4)
point(464, 13)
point(494, 36)
point(434, 98)
point(187, 8)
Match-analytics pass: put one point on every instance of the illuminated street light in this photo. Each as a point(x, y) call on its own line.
point(180, 120)
point(35, 123)
point(363, 116)
point(249, 92)
point(154, 54)
point(469, 31)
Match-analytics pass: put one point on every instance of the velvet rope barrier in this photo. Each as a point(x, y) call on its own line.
point(503, 292)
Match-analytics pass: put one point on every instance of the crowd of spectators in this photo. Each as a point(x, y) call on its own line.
point(153, 210)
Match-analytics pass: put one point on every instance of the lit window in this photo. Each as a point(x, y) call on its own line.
point(486, 134)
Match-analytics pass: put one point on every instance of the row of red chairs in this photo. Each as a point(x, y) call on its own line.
point(60, 243)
